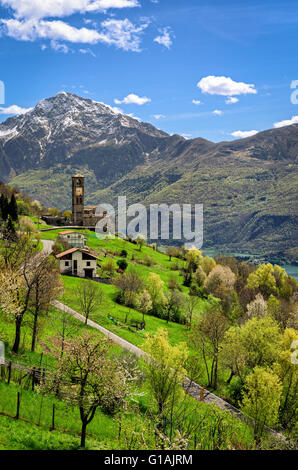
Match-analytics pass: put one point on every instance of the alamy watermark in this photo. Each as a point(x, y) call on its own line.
point(177, 222)
point(294, 95)
point(2, 92)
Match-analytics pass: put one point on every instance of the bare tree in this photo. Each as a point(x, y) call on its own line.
point(90, 296)
point(46, 287)
point(17, 277)
point(129, 284)
point(191, 303)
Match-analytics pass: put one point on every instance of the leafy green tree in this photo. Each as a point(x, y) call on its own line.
point(173, 305)
point(155, 287)
point(144, 303)
point(206, 337)
point(233, 353)
point(263, 280)
point(256, 343)
point(165, 370)
point(207, 264)
point(67, 215)
point(199, 276)
point(261, 399)
point(53, 211)
point(286, 369)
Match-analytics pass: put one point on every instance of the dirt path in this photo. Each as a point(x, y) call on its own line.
point(115, 338)
point(47, 246)
point(192, 388)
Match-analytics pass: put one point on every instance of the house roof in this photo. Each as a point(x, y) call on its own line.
point(67, 232)
point(73, 250)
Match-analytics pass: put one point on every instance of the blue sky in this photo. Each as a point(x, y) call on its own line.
point(214, 69)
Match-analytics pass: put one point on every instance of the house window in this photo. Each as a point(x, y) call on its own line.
point(88, 263)
point(66, 263)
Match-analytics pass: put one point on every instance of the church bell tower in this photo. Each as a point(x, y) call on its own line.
point(78, 200)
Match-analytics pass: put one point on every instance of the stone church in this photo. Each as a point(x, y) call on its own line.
point(82, 215)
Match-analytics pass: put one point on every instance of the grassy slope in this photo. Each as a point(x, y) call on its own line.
point(162, 267)
point(103, 431)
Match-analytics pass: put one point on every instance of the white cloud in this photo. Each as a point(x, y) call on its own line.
point(33, 19)
point(217, 112)
point(120, 33)
point(123, 34)
point(165, 38)
point(244, 134)
point(87, 51)
point(225, 86)
point(232, 100)
point(59, 47)
point(197, 102)
point(58, 8)
point(133, 99)
point(14, 109)
point(287, 122)
point(56, 30)
point(158, 116)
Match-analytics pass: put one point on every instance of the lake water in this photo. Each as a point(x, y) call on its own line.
point(290, 269)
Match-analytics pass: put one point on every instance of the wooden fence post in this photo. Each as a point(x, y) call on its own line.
point(53, 419)
point(201, 394)
point(33, 378)
point(18, 406)
point(9, 372)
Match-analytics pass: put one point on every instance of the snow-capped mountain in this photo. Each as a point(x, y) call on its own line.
point(248, 187)
point(57, 128)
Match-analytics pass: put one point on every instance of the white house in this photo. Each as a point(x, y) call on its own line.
point(73, 238)
point(77, 261)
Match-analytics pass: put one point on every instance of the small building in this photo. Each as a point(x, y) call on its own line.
point(74, 239)
point(78, 262)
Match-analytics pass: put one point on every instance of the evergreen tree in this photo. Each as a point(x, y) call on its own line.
point(4, 207)
point(13, 208)
point(9, 231)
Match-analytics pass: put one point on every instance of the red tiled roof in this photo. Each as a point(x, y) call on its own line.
point(72, 250)
point(69, 231)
